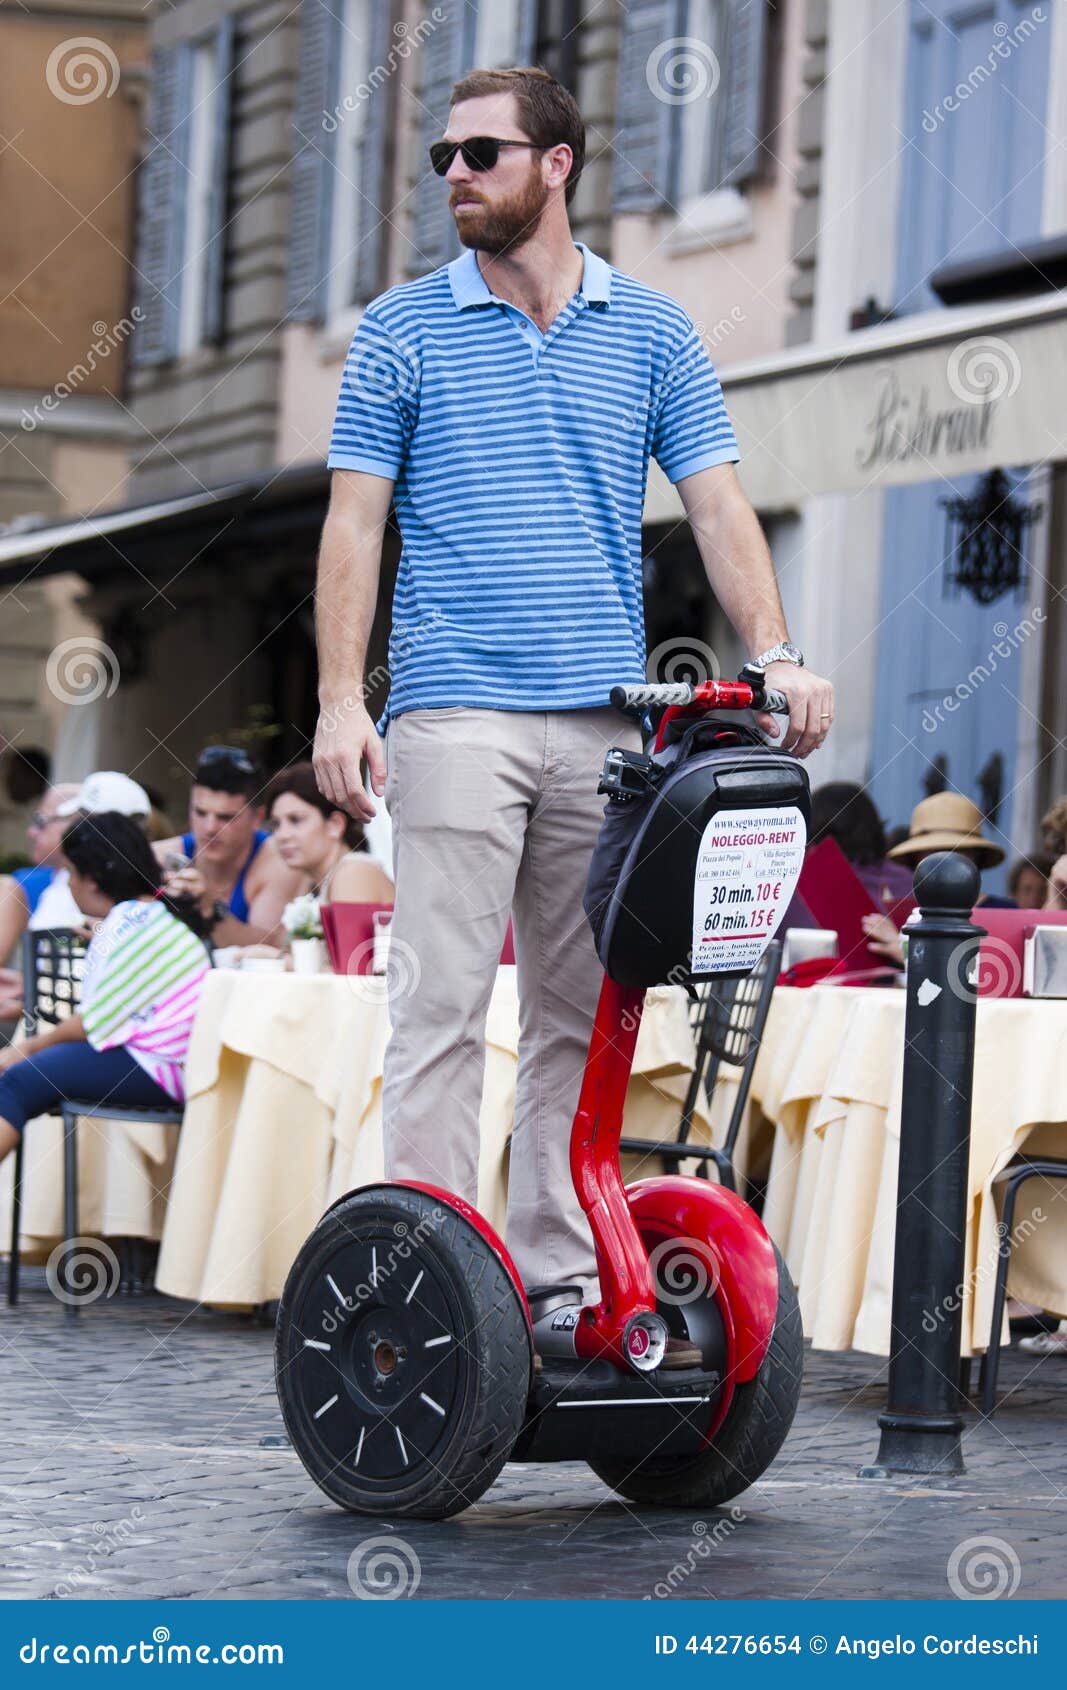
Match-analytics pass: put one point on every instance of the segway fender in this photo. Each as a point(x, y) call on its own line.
point(740, 1256)
point(469, 1213)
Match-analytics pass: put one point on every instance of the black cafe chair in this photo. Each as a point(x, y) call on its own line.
point(52, 964)
point(729, 1018)
point(1015, 1175)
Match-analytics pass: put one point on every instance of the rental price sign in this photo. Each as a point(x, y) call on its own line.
point(748, 865)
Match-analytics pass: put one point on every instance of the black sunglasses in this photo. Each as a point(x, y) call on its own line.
point(479, 153)
point(227, 755)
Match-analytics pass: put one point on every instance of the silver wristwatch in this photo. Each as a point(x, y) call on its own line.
point(783, 652)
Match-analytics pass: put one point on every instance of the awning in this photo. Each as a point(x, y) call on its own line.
point(938, 395)
point(169, 530)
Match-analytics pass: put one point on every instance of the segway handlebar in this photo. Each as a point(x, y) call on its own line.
point(710, 695)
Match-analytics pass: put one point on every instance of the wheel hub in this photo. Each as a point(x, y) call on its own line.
point(381, 1391)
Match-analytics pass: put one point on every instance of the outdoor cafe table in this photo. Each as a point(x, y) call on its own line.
point(828, 1081)
point(284, 1115)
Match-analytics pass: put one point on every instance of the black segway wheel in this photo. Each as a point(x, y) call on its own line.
point(402, 1356)
point(749, 1438)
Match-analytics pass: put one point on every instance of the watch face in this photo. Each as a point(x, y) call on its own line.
point(791, 653)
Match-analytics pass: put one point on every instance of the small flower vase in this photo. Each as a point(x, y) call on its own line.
point(309, 956)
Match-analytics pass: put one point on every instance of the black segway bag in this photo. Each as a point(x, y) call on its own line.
point(692, 876)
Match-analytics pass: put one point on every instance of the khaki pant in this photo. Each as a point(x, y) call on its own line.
point(495, 812)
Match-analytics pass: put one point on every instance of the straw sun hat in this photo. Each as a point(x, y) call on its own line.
point(947, 821)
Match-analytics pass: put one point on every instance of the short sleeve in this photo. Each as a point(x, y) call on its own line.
point(378, 402)
point(692, 430)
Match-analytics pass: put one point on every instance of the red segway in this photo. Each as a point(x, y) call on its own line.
point(411, 1361)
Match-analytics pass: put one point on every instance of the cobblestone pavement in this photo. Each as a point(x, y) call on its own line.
point(144, 1458)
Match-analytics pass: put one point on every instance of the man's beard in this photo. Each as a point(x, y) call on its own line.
point(506, 227)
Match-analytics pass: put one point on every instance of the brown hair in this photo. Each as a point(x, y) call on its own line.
point(1040, 861)
point(547, 113)
point(299, 780)
point(1054, 828)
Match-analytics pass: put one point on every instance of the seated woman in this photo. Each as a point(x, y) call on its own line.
point(843, 811)
point(144, 971)
point(315, 838)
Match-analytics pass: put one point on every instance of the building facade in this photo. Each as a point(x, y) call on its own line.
point(72, 79)
point(859, 202)
point(909, 435)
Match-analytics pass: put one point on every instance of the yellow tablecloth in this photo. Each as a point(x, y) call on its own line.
point(284, 1114)
point(828, 1077)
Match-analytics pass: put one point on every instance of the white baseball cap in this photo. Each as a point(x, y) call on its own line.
point(107, 790)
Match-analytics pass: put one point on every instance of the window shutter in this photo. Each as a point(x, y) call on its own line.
point(434, 235)
point(160, 220)
point(526, 41)
point(744, 80)
point(312, 173)
point(644, 123)
point(213, 327)
point(374, 171)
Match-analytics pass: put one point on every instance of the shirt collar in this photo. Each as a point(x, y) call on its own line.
point(469, 285)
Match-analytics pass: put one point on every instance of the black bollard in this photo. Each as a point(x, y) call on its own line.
point(921, 1425)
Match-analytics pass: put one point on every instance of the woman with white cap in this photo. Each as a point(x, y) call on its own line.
point(53, 906)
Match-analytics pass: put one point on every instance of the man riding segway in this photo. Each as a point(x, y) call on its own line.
point(510, 402)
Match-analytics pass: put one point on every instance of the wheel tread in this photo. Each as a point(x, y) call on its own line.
point(750, 1437)
point(500, 1378)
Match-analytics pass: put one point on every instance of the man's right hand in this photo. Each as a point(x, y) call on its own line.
point(344, 735)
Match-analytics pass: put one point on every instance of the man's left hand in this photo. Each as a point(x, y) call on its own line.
point(811, 708)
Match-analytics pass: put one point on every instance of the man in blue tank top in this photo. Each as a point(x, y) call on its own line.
point(233, 867)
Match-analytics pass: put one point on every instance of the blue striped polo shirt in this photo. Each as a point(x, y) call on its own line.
point(520, 461)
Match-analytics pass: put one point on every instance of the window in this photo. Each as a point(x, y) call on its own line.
point(700, 120)
point(496, 34)
point(204, 94)
point(351, 213)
